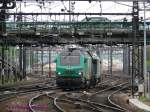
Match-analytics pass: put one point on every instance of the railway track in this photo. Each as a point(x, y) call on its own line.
point(22, 90)
point(68, 102)
point(104, 105)
point(8, 92)
point(63, 104)
point(112, 103)
point(26, 86)
point(40, 97)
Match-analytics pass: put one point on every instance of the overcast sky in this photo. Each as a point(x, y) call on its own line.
point(78, 7)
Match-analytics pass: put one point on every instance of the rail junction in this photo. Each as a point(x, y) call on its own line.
point(30, 41)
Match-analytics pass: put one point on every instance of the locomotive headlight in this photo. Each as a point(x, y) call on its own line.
point(59, 73)
point(80, 73)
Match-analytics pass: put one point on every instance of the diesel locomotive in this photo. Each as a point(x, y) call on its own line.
point(76, 68)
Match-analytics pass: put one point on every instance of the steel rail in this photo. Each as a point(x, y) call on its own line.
point(26, 85)
point(7, 97)
point(108, 89)
point(57, 106)
point(97, 104)
point(103, 105)
point(13, 94)
point(36, 97)
point(112, 103)
point(98, 85)
point(31, 101)
point(92, 107)
point(102, 83)
point(55, 103)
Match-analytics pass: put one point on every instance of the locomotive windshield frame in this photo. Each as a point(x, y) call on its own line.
point(70, 58)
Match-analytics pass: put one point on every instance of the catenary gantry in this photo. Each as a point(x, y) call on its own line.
point(70, 32)
point(12, 3)
point(82, 0)
point(132, 36)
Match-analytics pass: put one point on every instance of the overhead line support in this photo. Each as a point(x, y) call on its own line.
point(69, 14)
point(136, 46)
point(85, 0)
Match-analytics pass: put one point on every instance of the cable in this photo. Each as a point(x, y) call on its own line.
point(86, 10)
point(90, 7)
point(146, 5)
point(58, 4)
point(129, 5)
point(123, 4)
point(100, 5)
point(64, 6)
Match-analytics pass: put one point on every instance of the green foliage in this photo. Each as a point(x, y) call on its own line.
point(143, 99)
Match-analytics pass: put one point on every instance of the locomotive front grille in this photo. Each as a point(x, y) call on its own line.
point(69, 72)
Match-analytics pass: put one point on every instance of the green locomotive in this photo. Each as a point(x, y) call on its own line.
point(76, 68)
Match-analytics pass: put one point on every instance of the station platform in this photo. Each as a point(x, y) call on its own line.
point(140, 105)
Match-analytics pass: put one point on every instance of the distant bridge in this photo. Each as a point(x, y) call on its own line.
point(71, 32)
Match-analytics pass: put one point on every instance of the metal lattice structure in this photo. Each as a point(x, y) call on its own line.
point(62, 32)
point(137, 53)
point(51, 33)
point(4, 3)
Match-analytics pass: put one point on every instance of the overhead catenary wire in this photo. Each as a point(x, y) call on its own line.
point(57, 4)
point(123, 4)
point(41, 6)
point(100, 6)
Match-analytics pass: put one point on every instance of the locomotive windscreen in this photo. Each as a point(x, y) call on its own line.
point(70, 58)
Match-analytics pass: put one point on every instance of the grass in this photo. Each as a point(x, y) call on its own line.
point(144, 100)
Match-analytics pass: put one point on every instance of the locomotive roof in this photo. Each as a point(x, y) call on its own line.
point(72, 52)
point(76, 52)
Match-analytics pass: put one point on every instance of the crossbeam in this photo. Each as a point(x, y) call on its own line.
point(87, 0)
point(69, 13)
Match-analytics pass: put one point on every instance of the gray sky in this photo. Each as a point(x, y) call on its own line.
point(78, 7)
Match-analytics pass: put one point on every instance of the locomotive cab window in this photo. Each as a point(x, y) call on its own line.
point(94, 64)
point(70, 58)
